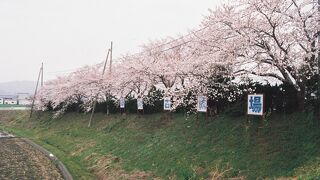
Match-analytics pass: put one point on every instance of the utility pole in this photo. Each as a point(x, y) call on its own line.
point(95, 100)
point(106, 61)
point(42, 74)
point(110, 68)
point(36, 90)
point(111, 48)
point(318, 48)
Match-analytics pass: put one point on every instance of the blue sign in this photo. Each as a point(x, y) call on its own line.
point(255, 104)
point(167, 103)
point(202, 104)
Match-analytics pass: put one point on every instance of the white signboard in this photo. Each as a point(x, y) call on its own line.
point(202, 104)
point(167, 104)
point(255, 104)
point(122, 103)
point(140, 103)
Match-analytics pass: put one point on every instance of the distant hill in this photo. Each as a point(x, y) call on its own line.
point(14, 87)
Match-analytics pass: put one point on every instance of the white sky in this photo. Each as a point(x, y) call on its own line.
point(67, 34)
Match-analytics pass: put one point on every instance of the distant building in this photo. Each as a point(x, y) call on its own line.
point(19, 99)
point(9, 99)
point(24, 99)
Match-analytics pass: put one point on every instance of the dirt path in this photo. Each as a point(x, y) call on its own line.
point(19, 160)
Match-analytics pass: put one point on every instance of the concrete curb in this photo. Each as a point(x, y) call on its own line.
point(64, 171)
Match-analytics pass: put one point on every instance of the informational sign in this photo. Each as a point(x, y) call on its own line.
point(255, 104)
point(140, 103)
point(202, 104)
point(167, 103)
point(122, 103)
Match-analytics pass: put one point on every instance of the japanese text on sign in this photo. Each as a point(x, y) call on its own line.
point(255, 104)
point(167, 104)
point(202, 104)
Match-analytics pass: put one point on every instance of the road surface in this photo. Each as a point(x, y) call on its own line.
point(20, 160)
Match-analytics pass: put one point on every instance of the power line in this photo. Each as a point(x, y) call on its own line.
point(180, 38)
point(139, 53)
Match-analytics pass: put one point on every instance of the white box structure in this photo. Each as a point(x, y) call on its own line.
point(140, 103)
point(122, 103)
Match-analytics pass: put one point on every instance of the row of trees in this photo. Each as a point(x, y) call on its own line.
point(260, 40)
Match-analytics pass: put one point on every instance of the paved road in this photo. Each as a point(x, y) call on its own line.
point(19, 160)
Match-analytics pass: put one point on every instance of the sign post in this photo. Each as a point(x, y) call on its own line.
point(255, 105)
point(167, 106)
point(202, 105)
point(140, 105)
point(122, 105)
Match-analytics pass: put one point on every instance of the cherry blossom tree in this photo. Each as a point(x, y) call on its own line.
point(269, 38)
point(264, 38)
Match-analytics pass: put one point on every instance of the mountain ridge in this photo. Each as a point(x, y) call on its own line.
point(14, 87)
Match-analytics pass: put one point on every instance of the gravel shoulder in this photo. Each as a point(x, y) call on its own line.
point(19, 160)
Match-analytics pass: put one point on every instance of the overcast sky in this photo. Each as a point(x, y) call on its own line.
point(68, 34)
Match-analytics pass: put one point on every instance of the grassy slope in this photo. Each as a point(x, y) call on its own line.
point(287, 146)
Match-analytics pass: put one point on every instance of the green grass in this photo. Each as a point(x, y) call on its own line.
point(179, 148)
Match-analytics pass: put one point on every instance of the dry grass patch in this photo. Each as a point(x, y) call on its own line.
point(220, 174)
point(82, 147)
point(108, 167)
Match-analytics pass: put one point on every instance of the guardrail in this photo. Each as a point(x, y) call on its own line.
point(15, 108)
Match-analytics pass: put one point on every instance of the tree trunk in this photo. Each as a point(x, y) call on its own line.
point(301, 95)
